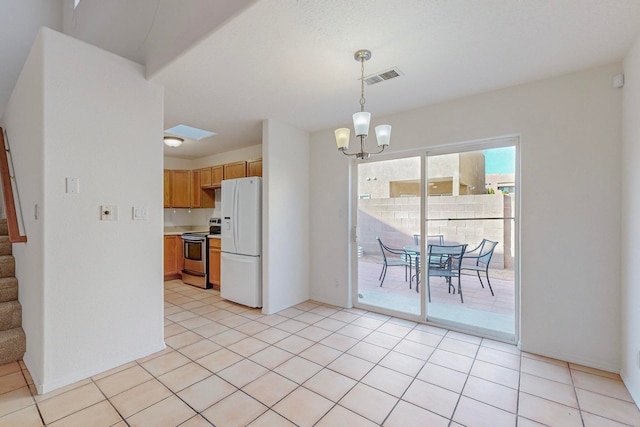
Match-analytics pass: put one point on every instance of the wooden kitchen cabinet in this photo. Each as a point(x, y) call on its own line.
point(254, 167)
point(235, 170)
point(167, 188)
point(173, 257)
point(179, 189)
point(214, 263)
point(205, 177)
point(200, 197)
point(211, 177)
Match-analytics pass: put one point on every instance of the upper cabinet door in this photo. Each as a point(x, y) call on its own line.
point(254, 167)
point(235, 170)
point(217, 174)
point(180, 189)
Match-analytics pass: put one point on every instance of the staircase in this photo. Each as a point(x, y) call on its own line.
point(12, 338)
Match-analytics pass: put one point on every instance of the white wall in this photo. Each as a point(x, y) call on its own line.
point(99, 283)
point(285, 217)
point(570, 146)
point(247, 153)
point(630, 370)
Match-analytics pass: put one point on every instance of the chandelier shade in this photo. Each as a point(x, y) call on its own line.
point(362, 120)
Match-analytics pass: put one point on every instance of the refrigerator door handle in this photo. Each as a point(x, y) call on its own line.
point(236, 213)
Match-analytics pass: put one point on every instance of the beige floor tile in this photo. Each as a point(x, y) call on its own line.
point(309, 318)
point(368, 322)
point(303, 407)
point(548, 412)
point(196, 322)
point(451, 360)
point(271, 357)
point(184, 376)
point(270, 388)
point(423, 337)
point(99, 415)
point(394, 329)
point(294, 344)
point(432, 329)
point(497, 374)
point(168, 412)
point(219, 360)
point(292, 326)
point(387, 380)
point(402, 363)
point(330, 384)
point(298, 369)
point(406, 414)
point(181, 316)
point(369, 352)
point(591, 420)
point(12, 381)
point(313, 333)
point(464, 337)
point(140, 397)
point(382, 340)
point(498, 357)
point(369, 402)
point(271, 419)
point(330, 324)
point(42, 397)
point(242, 373)
point(207, 331)
point(272, 320)
point(492, 394)
point(207, 392)
point(602, 385)
point(233, 321)
point(182, 340)
point(351, 366)
point(15, 400)
point(324, 310)
point(525, 422)
point(252, 327)
point(443, 377)
point(470, 412)
point(248, 346)
point(163, 364)
point(26, 417)
point(123, 380)
point(546, 359)
point(227, 338)
point(354, 331)
point(197, 421)
point(550, 390)
point(459, 347)
point(271, 335)
point(236, 410)
point(608, 407)
point(414, 349)
point(344, 316)
point(199, 349)
point(550, 371)
point(142, 360)
point(67, 403)
point(173, 330)
point(501, 346)
point(321, 354)
point(115, 370)
point(339, 342)
point(431, 397)
point(290, 312)
point(339, 416)
point(9, 368)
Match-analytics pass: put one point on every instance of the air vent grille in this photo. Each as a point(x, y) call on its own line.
point(385, 75)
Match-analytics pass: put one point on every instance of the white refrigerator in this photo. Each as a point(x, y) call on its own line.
point(240, 258)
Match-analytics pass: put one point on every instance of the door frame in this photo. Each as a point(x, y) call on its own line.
point(423, 153)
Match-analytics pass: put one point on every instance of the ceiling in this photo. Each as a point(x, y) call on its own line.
point(228, 64)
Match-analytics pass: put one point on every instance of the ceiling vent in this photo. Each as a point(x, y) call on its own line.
point(385, 75)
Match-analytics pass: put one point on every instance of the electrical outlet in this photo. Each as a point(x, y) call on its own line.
point(108, 213)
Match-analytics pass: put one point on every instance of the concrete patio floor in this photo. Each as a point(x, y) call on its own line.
point(481, 312)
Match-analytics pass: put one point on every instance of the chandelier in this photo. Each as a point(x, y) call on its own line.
point(361, 121)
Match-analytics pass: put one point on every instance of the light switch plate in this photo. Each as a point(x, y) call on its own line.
point(73, 185)
point(140, 214)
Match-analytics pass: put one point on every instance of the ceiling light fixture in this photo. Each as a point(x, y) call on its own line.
point(361, 120)
point(173, 141)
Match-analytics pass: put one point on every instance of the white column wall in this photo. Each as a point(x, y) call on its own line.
point(630, 300)
point(101, 282)
point(285, 216)
point(570, 223)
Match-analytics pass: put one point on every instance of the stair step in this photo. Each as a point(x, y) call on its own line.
point(8, 289)
point(5, 245)
point(7, 266)
point(4, 228)
point(10, 315)
point(13, 344)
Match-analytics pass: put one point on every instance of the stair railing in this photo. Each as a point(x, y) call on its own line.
point(8, 184)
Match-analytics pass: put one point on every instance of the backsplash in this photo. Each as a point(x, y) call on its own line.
point(182, 217)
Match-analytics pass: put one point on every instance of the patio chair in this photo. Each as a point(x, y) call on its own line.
point(394, 257)
point(432, 239)
point(445, 261)
point(480, 258)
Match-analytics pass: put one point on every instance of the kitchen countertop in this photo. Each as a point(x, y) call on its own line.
point(215, 236)
point(178, 230)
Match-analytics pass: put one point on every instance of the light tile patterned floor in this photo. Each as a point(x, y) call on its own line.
point(313, 364)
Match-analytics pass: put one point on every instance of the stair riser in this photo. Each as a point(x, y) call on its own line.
point(10, 315)
point(8, 293)
point(4, 229)
point(5, 246)
point(7, 267)
point(12, 345)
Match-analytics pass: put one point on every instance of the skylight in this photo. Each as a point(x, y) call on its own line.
point(189, 132)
